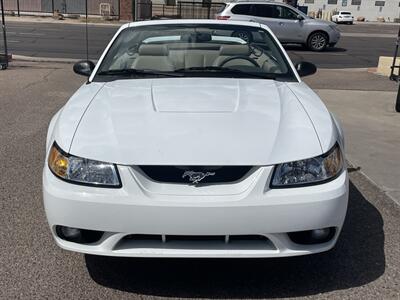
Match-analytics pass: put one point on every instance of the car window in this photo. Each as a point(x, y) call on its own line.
point(265, 11)
point(199, 50)
point(286, 13)
point(345, 13)
point(220, 8)
point(241, 9)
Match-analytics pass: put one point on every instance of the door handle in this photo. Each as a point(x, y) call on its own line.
point(280, 23)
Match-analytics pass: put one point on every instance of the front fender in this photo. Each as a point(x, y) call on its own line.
point(50, 130)
point(339, 130)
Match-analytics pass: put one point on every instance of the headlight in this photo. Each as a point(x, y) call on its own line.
point(310, 171)
point(81, 170)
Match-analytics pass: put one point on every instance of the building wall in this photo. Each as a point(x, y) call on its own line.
point(28, 5)
point(126, 10)
point(367, 8)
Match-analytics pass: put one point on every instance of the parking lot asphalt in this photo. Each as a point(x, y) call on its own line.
point(360, 45)
point(365, 264)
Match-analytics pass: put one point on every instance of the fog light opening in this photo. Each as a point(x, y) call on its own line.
point(77, 235)
point(70, 234)
point(315, 236)
point(320, 234)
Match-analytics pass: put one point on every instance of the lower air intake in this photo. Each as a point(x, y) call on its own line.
point(216, 242)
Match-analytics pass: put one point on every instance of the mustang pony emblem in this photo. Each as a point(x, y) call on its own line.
point(196, 177)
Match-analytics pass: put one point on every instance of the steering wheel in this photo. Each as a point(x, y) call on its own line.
point(257, 51)
point(243, 57)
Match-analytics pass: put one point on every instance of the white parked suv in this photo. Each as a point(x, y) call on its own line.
point(343, 17)
point(288, 23)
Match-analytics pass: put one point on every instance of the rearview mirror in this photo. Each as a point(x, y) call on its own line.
point(304, 68)
point(84, 67)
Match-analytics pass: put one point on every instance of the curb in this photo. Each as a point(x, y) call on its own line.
point(371, 35)
point(376, 23)
point(379, 187)
point(43, 59)
point(346, 69)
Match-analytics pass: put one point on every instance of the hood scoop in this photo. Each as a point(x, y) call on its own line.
point(195, 97)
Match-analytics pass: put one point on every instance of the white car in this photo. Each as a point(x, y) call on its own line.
point(343, 17)
point(188, 141)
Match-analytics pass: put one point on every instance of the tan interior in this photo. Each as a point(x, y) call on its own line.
point(177, 56)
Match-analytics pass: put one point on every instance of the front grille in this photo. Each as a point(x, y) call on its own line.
point(195, 174)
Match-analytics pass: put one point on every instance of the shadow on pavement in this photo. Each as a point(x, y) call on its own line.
point(296, 47)
point(357, 259)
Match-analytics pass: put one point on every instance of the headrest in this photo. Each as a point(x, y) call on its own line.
point(187, 37)
point(196, 37)
point(153, 50)
point(232, 50)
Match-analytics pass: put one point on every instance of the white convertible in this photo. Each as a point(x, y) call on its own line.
point(189, 141)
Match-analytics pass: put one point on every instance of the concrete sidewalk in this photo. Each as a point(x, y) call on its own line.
point(51, 20)
point(373, 35)
point(364, 104)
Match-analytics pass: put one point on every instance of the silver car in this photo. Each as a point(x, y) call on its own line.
point(288, 23)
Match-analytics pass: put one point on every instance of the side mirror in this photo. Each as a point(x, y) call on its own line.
point(300, 17)
point(304, 68)
point(84, 67)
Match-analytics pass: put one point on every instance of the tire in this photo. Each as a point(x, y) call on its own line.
point(317, 41)
point(244, 35)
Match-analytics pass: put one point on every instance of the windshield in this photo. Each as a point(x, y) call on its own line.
point(194, 50)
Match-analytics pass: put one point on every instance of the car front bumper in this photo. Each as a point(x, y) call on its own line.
point(246, 208)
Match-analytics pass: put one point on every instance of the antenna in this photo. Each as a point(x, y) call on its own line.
point(86, 31)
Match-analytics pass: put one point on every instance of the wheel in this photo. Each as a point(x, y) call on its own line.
point(244, 35)
point(317, 41)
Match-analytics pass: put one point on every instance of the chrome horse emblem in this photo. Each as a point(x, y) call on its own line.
point(196, 177)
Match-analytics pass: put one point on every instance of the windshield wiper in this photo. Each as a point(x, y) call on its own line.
point(181, 72)
point(129, 72)
point(227, 70)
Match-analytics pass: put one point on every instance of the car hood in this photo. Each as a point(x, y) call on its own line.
point(195, 121)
